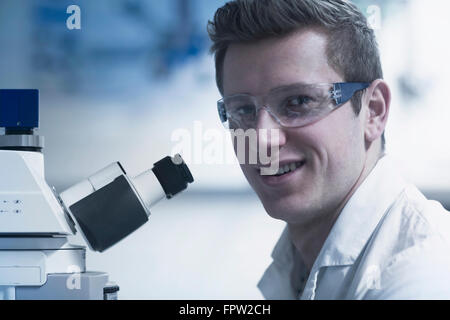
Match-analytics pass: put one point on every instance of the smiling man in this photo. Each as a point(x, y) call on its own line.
point(310, 69)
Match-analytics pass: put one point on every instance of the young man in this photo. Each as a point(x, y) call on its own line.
point(310, 69)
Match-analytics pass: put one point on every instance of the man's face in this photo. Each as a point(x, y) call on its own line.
point(332, 150)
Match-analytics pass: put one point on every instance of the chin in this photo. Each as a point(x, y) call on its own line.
point(290, 210)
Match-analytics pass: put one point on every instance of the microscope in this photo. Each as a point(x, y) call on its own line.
point(37, 262)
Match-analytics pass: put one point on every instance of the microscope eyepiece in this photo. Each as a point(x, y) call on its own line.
point(173, 175)
point(109, 205)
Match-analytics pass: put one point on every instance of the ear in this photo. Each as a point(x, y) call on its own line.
point(377, 100)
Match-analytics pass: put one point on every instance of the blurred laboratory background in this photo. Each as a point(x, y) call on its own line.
point(138, 73)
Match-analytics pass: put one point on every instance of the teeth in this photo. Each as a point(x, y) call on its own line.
point(286, 168)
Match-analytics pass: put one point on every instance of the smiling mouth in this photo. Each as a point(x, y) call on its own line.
point(286, 169)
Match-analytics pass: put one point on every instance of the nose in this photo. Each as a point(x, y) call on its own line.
point(270, 133)
point(265, 120)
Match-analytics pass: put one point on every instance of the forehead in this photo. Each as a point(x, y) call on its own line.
point(257, 67)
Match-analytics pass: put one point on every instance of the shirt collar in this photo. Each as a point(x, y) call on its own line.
point(280, 280)
point(284, 249)
point(361, 215)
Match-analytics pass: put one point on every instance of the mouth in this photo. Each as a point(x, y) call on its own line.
point(284, 169)
point(286, 172)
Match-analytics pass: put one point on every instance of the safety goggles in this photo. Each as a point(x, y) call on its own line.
point(291, 106)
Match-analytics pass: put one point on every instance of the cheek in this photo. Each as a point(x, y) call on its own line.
point(337, 141)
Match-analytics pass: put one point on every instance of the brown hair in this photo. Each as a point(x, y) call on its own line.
point(352, 48)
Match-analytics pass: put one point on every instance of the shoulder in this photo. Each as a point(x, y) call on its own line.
point(419, 272)
point(410, 221)
point(411, 246)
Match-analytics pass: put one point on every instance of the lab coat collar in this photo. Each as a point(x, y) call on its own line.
point(361, 215)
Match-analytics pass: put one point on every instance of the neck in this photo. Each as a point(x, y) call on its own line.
point(310, 236)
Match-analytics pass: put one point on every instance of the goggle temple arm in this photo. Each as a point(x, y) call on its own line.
point(344, 91)
point(222, 111)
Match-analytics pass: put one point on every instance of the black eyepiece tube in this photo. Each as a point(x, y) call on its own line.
point(173, 175)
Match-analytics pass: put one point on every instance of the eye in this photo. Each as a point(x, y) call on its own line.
point(298, 101)
point(246, 110)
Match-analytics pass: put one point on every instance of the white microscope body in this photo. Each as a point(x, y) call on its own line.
point(36, 260)
point(33, 242)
